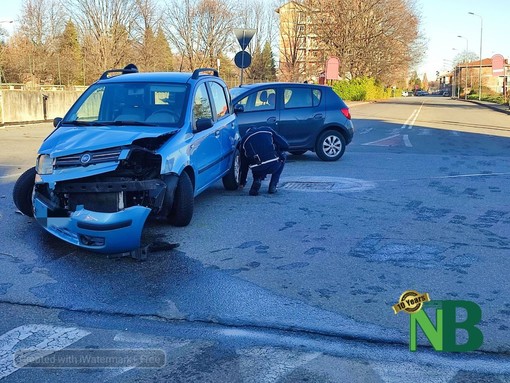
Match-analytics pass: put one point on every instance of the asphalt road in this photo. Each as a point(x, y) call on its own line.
point(292, 287)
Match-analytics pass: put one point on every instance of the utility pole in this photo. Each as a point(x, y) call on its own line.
point(480, 69)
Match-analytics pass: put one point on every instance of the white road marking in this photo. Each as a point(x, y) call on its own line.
point(392, 372)
point(364, 131)
point(406, 141)
point(42, 339)
point(406, 124)
point(11, 175)
point(381, 140)
point(271, 364)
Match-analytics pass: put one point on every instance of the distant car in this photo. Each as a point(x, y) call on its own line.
point(133, 144)
point(405, 93)
point(311, 117)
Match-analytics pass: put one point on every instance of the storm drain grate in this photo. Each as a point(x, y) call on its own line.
point(309, 185)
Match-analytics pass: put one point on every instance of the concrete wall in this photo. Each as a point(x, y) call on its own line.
point(26, 105)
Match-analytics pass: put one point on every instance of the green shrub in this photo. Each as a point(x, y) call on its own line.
point(361, 89)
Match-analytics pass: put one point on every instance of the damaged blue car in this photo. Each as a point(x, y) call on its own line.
point(133, 145)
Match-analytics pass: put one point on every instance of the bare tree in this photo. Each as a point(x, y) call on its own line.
point(376, 38)
point(293, 35)
point(41, 24)
point(106, 27)
point(200, 30)
point(145, 44)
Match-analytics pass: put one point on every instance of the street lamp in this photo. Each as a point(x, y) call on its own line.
point(467, 50)
point(480, 71)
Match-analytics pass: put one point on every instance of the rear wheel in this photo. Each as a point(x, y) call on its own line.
point(330, 146)
point(22, 192)
point(182, 207)
point(231, 179)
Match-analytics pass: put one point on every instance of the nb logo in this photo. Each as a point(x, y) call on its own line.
point(443, 336)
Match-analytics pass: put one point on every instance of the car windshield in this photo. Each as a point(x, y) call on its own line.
point(130, 103)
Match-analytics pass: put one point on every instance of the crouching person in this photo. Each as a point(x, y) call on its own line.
point(263, 151)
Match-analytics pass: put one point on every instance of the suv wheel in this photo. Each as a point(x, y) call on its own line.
point(22, 192)
point(330, 146)
point(231, 179)
point(182, 208)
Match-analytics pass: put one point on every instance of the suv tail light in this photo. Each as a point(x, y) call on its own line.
point(346, 113)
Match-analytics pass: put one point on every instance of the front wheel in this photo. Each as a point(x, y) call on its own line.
point(22, 192)
point(330, 146)
point(231, 179)
point(182, 207)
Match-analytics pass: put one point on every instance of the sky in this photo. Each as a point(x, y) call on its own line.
point(441, 22)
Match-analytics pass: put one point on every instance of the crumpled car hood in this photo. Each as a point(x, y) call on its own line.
point(68, 140)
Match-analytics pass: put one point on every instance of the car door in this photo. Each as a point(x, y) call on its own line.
point(260, 109)
point(302, 115)
point(224, 122)
point(205, 150)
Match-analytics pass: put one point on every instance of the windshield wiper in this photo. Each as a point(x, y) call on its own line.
point(129, 122)
point(83, 123)
point(107, 123)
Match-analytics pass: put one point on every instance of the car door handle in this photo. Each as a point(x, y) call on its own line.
point(217, 133)
point(318, 116)
point(271, 120)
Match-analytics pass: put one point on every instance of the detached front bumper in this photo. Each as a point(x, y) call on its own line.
point(100, 232)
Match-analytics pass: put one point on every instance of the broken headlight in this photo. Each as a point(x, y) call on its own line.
point(44, 164)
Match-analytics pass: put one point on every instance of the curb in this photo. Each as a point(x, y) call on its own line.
point(503, 108)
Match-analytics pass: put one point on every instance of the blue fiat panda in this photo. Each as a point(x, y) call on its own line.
point(133, 145)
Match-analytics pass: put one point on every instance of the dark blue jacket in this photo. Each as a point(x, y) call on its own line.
point(258, 147)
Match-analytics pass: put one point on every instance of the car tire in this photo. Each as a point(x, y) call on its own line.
point(330, 146)
point(182, 207)
point(231, 179)
point(297, 152)
point(22, 192)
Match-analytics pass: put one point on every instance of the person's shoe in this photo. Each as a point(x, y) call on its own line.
point(272, 188)
point(255, 187)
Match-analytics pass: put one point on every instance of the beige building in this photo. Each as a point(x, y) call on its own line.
point(301, 57)
point(466, 76)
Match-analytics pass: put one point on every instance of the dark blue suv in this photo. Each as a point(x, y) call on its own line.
point(310, 117)
point(133, 144)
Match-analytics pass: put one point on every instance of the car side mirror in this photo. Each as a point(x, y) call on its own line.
point(56, 121)
point(204, 124)
point(238, 108)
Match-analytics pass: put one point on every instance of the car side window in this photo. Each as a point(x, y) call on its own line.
point(298, 98)
point(264, 99)
point(201, 104)
point(219, 99)
point(317, 96)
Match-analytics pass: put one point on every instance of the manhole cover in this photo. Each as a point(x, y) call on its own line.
point(325, 184)
point(309, 185)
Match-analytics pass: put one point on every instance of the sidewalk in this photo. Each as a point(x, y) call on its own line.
point(503, 108)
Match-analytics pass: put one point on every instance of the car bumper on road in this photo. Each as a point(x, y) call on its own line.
point(100, 232)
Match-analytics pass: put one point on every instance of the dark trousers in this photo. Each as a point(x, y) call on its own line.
point(274, 168)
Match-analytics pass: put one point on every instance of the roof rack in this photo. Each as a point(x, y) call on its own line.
point(199, 71)
point(130, 68)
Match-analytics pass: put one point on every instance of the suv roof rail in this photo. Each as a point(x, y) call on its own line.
point(130, 68)
point(198, 71)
